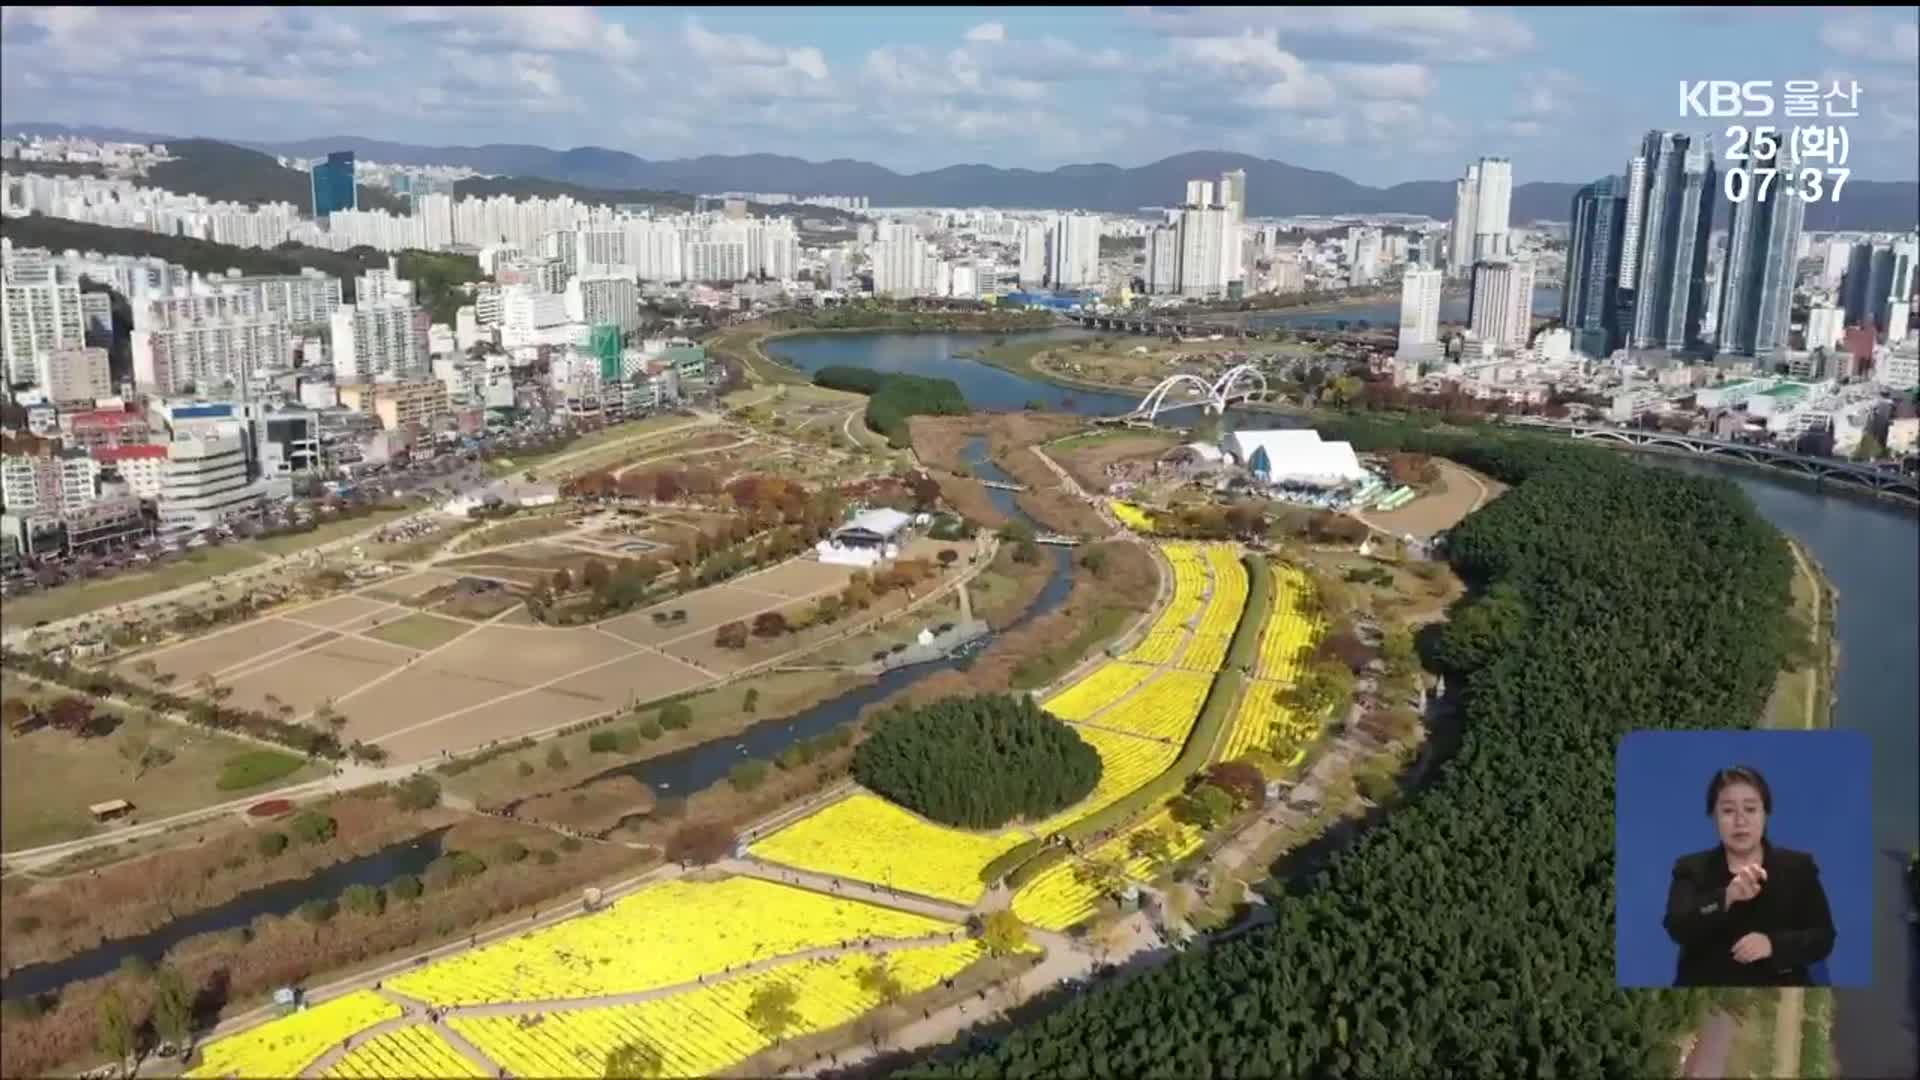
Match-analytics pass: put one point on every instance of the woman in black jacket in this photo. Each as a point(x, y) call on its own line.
point(1746, 913)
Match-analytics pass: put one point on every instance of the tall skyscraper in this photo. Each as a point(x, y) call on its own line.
point(333, 187)
point(1501, 307)
point(1233, 196)
point(1420, 313)
point(1677, 197)
point(1202, 229)
point(1590, 304)
point(1163, 260)
point(1494, 199)
point(1033, 256)
point(1073, 253)
point(1466, 204)
point(1756, 281)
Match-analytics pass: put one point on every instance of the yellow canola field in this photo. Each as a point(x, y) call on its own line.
point(1165, 709)
point(417, 1051)
point(1169, 631)
point(1260, 722)
point(1055, 899)
point(1126, 762)
point(662, 935)
point(701, 1032)
point(1287, 632)
point(1222, 615)
point(1132, 516)
point(287, 1045)
point(1107, 684)
point(867, 838)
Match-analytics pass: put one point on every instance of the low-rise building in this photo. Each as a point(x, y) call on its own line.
point(205, 482)
point(397, 403)
point(140, 466)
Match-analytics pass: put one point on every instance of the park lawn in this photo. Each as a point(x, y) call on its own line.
point(514, 530)
point(48, 779)
point(329, 531)
point(79, 598)
point(419, 631)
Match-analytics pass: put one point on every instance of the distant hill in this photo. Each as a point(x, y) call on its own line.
point(232, 173)
point(522, 187)
point(1274, 188)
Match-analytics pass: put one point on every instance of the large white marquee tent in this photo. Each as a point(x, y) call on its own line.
point(1295, 456)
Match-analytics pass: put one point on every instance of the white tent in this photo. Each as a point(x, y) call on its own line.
point(1296, 456)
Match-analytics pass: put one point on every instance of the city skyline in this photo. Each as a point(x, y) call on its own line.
point(1381, 95)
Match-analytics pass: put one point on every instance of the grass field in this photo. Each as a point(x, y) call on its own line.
point(420, 631)
point(48, 778)
point(78, 598)
point(329, 531)
point(514, 531)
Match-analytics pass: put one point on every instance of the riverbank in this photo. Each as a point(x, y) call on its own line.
point(746, 344)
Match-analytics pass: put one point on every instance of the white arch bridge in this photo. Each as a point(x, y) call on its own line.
point(1237, 384)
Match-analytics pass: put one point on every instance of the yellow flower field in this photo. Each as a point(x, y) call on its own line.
point(662, 935)
point(1259, 721)
point(1262, 723)
point(1126, 762)
point(287, 1045)
point(1169, 630)
point(1132, 516)
point(1055, 899)
point(867, 838)
point(1287, 632)
point(1107, 684)
point(417, 1051)
point(701, 1032)
point(1165, 709)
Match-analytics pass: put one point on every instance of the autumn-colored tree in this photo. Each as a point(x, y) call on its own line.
point(769, 624)
point(562, 582)
point(594, 574)
point(1241, 781)
point(732, 635)
point(71, 714)
point(698, 843)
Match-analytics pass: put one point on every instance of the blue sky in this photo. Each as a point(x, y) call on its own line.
point(1381, 95)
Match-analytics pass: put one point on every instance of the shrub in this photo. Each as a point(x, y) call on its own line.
point(524, 769)
point(363, 899)
point(313, 827)
point(977, 762)
point(316, 911)
point(676, 716)
point(546, 857)
point(569, 843)
point(453, 867)
point(649, 730)
point(417, 793)
point(626, 740)
point(512, 851)
point(556, 758)
point(253, 768)
point(271, 843)
point(747, 775)
point(700, 843)
point(404, 887)
point(602, 742)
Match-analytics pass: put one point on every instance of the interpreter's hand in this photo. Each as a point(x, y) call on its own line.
point(1752, 947)
point(1746, 883)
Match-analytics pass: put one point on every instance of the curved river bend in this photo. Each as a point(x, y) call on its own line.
point(1868, 550)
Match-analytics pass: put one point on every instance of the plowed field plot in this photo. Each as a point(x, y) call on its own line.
point(412, 585)
point(419, 631)
point(339, 610)
point(638, 678)
point(308, 677)
point(508, 718)
point(526, 657)
point(705, 610)
point(227, 649)
point(799, 577)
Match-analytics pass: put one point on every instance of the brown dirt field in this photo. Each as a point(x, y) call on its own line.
point(339, 610)
point(332, 670)
point(526, 658)
point(410, 586)
point(517, 575)
point(420, 739)
point(415, 695)
point(643, 677)
point(1442, 509)
point(229, 648)
point(705, 608)
point(479, 607)
point(591, 809)
point(360, 624)
point(1087, 464)
point(797, 577)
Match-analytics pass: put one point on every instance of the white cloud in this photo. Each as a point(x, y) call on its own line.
point(1387, 81)
point(1439, 34)
point(578, 30)
point(987, 32)
point(1269, 76)
point(1862, 38)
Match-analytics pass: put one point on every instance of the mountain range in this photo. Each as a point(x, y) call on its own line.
point(1274, 188)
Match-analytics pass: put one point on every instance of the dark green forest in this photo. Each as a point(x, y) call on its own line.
point(893, 399)
point(232, 173)
point(1469, 933)
point(977, 762)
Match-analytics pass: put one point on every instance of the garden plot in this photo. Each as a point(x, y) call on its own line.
point(308, 677)
point(228, 649)
point(706, 609)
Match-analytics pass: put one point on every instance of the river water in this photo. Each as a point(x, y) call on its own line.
point(1869, 551)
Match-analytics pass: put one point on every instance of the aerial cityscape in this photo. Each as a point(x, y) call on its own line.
point(605, 542)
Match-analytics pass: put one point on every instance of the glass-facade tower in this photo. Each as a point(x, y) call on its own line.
point(333, 184)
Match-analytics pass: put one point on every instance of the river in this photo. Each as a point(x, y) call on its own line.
point(1867, 549)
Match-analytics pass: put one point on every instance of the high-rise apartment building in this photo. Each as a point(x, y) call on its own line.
point(1596, 241)
point(1163, 260)
point(385, 337)
point(1420, 313)
point(309, 297)
point(1466, 206)
point(1202, 230)
point(207, 339)
point(1756, 280)
point(1493, 204)
point(333, 187)
point(1033, 255)
point(1073, 251)
point(1501, 307)
point(899, 261)
point(1676, 196)
point(38, 313)
point(604, 299)
point(1233, 198)
point(75, 374)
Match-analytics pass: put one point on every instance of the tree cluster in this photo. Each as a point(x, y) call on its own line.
point(977, 762)
point(1466, 933)
point(892, 399)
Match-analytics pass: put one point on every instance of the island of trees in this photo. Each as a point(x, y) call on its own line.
point(1468, 933)
point(977, 762)
point(892, 399)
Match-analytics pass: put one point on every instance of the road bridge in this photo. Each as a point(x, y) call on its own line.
point(1820, 468)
